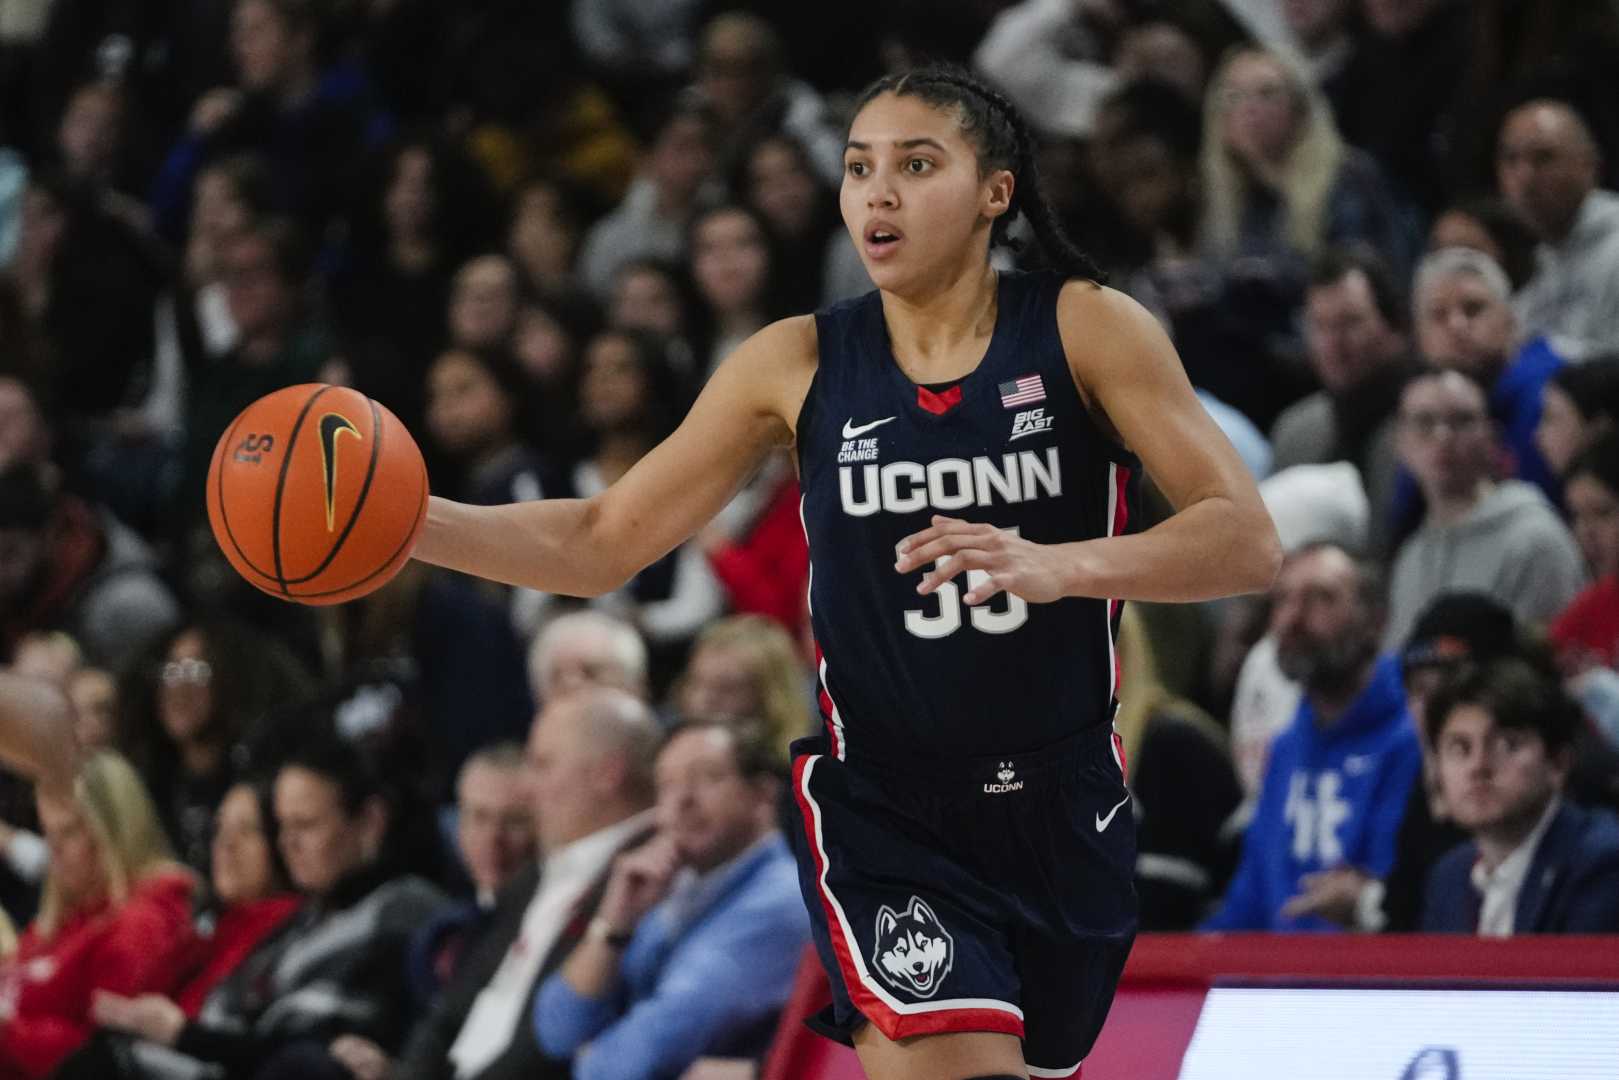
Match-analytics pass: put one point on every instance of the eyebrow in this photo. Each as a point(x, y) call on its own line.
point(902, 144)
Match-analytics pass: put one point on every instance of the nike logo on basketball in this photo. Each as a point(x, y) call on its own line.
point(331, 426)
point(1103, 822)
point(850, 431)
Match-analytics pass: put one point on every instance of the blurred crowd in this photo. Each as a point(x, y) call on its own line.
point(462, 831)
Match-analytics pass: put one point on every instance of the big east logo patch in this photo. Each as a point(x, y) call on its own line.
point(913, 951)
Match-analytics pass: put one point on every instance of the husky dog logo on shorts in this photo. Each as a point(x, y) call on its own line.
point(913, 951)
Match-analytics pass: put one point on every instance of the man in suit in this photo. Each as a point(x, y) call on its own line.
point(1502, 738)
point(589, 763)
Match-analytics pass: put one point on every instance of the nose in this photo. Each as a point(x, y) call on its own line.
point(880, 192)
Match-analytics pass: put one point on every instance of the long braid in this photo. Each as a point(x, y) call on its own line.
point(1003, 141)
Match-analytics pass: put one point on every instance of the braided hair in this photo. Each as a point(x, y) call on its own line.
point(1003, 141)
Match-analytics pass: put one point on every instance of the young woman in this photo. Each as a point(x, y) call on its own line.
point(114, 916)
point(965, 798)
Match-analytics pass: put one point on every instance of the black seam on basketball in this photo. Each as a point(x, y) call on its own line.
point(281, 484)
point(223, 450)
point(365, 489)
point(403, 544)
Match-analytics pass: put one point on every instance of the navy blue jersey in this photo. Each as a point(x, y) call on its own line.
point(905, 676)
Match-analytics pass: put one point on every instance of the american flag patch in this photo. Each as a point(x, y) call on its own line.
point(1023, 391)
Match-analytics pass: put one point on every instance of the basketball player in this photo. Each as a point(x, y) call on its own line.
point(968, 444)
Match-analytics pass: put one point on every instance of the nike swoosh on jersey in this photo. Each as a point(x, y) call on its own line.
point(850, 431)
point(1103, 822)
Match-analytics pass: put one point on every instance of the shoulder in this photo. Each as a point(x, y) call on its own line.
point(771, 371)
point(1453, 866)
point(1104, 315)
point(409, 898)
point(1597, 846)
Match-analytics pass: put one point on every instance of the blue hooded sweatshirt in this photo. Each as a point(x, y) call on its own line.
point(1330, 798)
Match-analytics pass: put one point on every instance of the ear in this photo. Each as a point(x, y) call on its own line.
point(920, 910)
point(886, 920)
point(998, 188)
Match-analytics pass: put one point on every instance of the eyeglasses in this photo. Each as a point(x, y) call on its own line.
point(186, 673)
point(1265, 94)
point(1425, 425)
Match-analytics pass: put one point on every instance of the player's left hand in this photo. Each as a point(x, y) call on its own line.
point(1034, 572)
point(1332, 894)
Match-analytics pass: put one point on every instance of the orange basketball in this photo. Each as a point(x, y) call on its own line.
point(317, 494)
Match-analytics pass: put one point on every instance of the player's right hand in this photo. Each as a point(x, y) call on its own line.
point(640, 879)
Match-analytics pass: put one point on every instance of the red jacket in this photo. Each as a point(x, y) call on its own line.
point(46, 988)
point(767, 572)
point(237, 932)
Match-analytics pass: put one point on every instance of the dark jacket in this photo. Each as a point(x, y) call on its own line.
point(427, 1053)
point(1572, 886)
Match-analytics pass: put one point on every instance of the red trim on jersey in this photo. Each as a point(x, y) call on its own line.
point(938, 403)
point(1121, 518)
point(892, 1024)
point(824, 699)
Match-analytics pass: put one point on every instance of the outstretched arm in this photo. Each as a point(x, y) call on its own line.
point(1220, 540)
point(585, 547)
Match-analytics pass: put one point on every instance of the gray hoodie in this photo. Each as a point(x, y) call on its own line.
point(1512, 546)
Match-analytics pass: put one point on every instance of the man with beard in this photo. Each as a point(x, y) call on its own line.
point(1339, 777)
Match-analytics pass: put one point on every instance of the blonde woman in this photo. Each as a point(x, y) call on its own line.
point(115, 914)
point(1279, 183)
point(747, 666)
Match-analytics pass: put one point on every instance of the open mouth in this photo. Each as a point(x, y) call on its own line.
point(881, 239)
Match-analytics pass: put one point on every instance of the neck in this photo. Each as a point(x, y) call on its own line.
point(1558, 231)
point(1498, 842)
point(201, 757)
point(412, 252)
point(1331, 698)
point(299, 84)
point(604, 816)
point(932, 329)
point(261, 349)
point(743, 321)
point(490, 455)
point(1445, 508)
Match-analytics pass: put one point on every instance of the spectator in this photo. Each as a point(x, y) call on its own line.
point(1547, 166)
point(230, 195)
point(583, 649)
point(746, 666)
point(1355, 331)
point(1338, 779)
point(494, 834)
point(1499, 537)
point(656, 297)
point(267, 269)
point(1167, 50)
point(483, 303)
point(693, 949)
point(274, 1015)
point(1537, 863)
point(1325, 31)
point(94, 150)
point(742, 76)
point(736, 268)
point(72, 258)
point(192, 705)
point(113, 918)
point(1462, 303)
point(475, 403)
point(311, 126)
point(1586, 633)
point(1491, 225)
point(778, 181)
point(1279, 183)
point(546, 347)
point(651, 220)
point(94, 693)
point(590, 761)
point(756, 546)
point(64, 565)
point(637, 42)
point(630, 398)
point(1579, 404)
point(543, 237)
point(1455, 631)
point(1399, 92)
point(424, 211)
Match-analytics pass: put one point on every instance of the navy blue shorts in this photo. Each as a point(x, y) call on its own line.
point(975, 895)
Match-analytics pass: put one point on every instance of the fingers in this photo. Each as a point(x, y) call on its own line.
point(952, 565)
point(982, 590)
point(908, 554)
